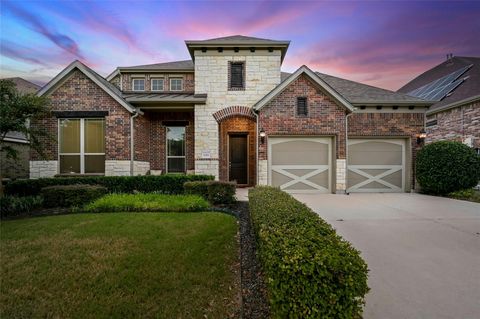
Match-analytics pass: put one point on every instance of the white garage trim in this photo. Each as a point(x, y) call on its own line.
point(313, 169)
point(362, 169)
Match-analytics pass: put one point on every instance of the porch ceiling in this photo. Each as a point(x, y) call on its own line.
point(166, 98)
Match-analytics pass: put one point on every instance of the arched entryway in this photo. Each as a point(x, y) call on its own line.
point(237, 130)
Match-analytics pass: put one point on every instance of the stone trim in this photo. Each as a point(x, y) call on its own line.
point(231, 111)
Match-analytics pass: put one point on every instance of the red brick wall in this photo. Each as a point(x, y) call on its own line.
point(188, 80)
point(79, 93)
point(389, 124)
point(142, 138)
point(237, 124)
point(325, 117)
point(456, 124)
point(158, 138)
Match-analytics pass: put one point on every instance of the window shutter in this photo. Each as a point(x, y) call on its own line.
point(236, 75)
point(302, 106)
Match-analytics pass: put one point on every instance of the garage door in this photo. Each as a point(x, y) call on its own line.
point(376, 165)
point(300, 164)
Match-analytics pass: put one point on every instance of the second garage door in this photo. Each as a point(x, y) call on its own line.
point(376, 165)
point(300, 164)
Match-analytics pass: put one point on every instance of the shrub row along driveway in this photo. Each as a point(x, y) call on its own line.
point(423, 252)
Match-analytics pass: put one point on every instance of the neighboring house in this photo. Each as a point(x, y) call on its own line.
point(12, 169)
point(232, 113)
point(454, 87)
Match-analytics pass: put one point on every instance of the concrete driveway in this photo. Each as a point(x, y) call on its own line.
point(423, 252)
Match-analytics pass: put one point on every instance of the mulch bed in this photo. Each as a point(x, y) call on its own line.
point(254, 295)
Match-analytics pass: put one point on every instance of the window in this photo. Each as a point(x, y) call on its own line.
point(431, 123)
point(176, 84)
point(237, 75)
point(302, 107)
point(138, 84)
point(82, 146)
point(176, 149)
point(157, 84)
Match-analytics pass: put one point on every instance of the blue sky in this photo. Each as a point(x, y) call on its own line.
point(384, 44)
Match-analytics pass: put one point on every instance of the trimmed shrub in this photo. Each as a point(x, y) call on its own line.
point(446, 166)
point(166, 184)
point(197, 188)
point(71, 195)
point(215, 192)
point(310, 271)
point(148, 203)
point(11, 206)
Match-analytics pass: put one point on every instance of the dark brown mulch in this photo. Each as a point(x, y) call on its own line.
point(254, 295)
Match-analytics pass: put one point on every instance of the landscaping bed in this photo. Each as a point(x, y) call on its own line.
point(177, 265)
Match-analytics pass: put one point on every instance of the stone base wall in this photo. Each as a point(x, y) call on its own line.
point(140, 168)
point(40, 169)
point(208, 167)
point(263, 172)
point(117, 168)
point(341, 180)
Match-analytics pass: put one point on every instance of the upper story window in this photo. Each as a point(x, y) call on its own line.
point(157, 84)
point(236, 76)
point(138, 84)
point(176, 84)
point(82, 146)
point(302, 107)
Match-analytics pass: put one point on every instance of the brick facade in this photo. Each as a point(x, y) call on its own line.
point(325, 117)
point(79, 93)
point(237, 124)
point(158, 138)
point(458, 124)
point(188, 81)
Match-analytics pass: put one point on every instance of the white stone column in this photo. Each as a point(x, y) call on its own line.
point(341, 176)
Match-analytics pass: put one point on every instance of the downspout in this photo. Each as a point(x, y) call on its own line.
point(256, 147)
point(132, 141)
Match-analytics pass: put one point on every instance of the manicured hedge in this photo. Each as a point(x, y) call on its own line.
point(168, 184)
point(215, 192)
point(148, 203)
point(446, 166)
point(310, 271)
point(11, 206)
point(71, 195)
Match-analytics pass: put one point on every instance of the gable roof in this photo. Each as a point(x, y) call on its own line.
point(240, 41)
point(314, 77)
point(23, 85)
point(184, 65)
point(466, 92)
point(108, 87)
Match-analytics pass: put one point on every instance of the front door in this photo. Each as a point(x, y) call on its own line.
point(238, 159)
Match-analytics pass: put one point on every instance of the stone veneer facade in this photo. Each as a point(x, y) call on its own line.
point(459, 124)
point(262, 74)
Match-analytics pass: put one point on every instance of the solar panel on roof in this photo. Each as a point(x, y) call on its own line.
point(438, 89)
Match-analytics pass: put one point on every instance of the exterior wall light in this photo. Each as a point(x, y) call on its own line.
point(262, 136)
point(421, 137)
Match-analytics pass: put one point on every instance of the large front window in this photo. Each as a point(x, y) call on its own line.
point(176, 149)
point(82, 146)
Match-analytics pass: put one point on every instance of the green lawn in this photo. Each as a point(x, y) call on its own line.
point(120, 265)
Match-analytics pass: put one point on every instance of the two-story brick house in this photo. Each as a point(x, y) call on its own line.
point(232, 113)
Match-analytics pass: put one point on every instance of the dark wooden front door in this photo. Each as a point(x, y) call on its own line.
point(238, 159)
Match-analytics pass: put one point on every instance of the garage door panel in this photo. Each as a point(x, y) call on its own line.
point(300, 163)
point(376, 165)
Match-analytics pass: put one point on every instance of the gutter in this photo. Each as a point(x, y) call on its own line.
point(454, 105)
point(132, 140)
point(256, 146)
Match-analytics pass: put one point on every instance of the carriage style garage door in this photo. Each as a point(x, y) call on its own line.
point(376, 165)
point(300, 164)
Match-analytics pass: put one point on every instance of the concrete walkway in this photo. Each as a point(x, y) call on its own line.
point(423, 252)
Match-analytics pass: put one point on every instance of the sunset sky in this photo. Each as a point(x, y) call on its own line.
point(385, 44)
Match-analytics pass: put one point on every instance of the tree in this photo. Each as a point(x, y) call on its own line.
point(16, 111)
